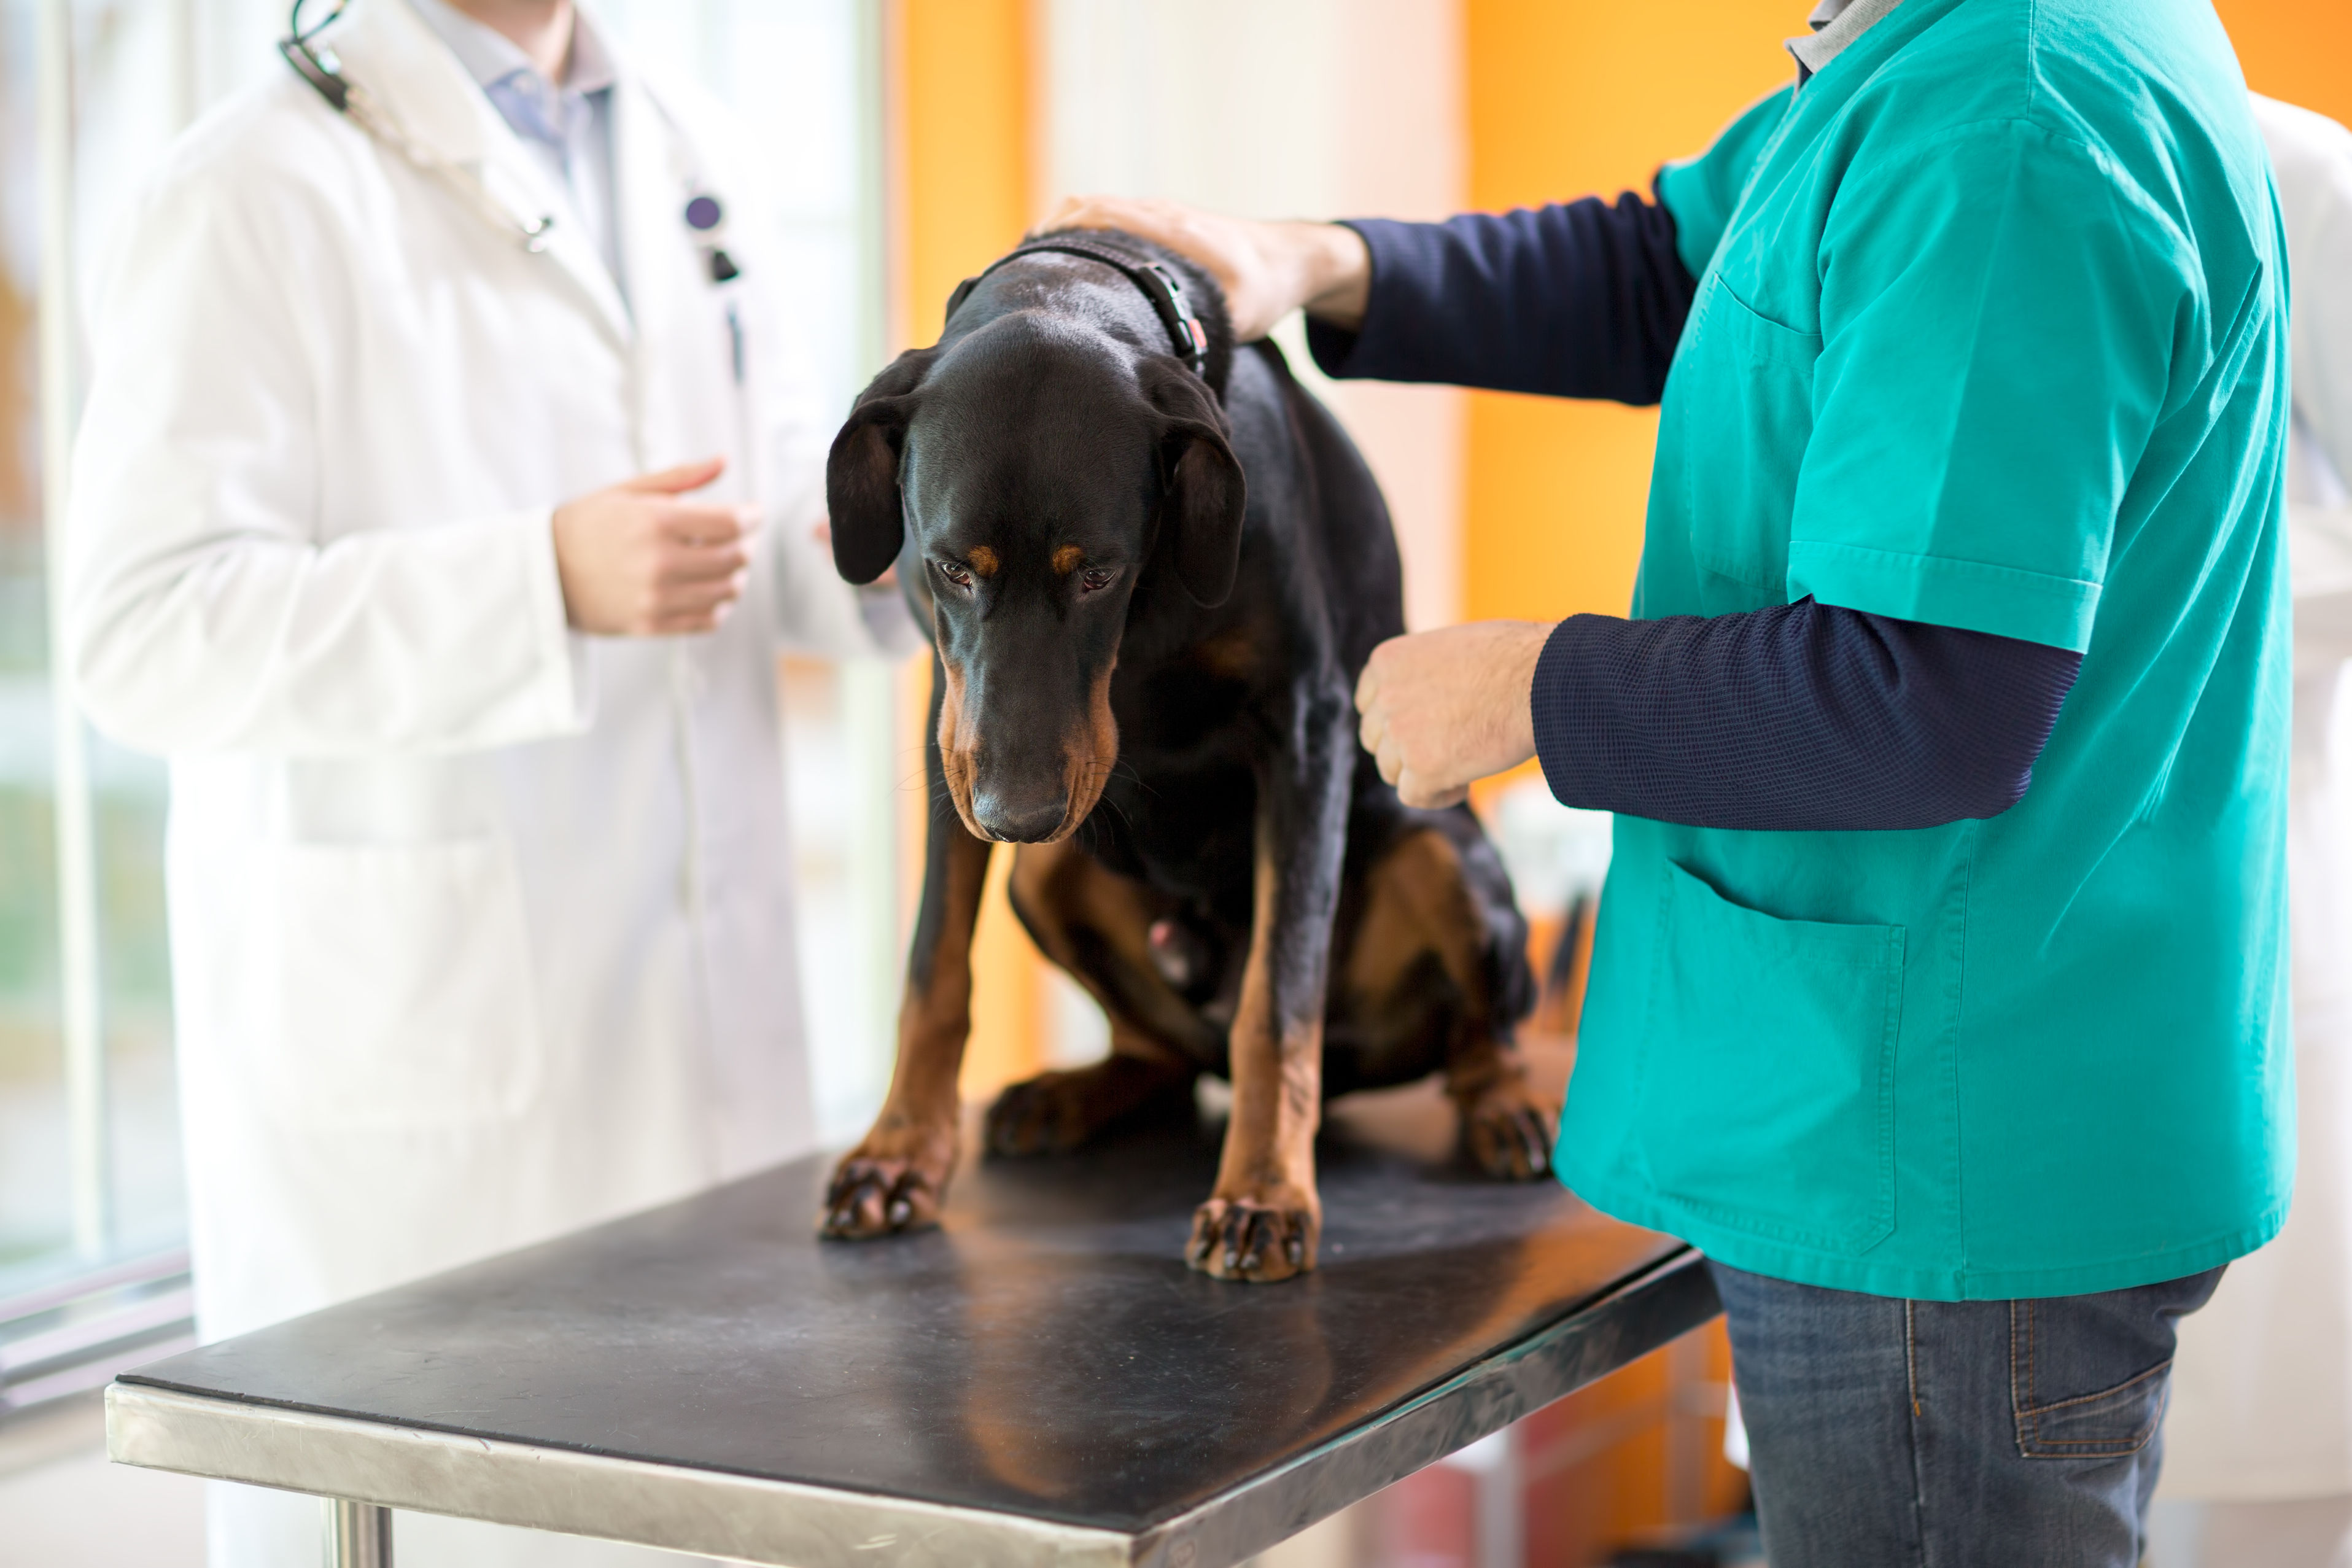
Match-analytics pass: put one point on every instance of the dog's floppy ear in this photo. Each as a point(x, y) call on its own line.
point(1204, 493)
point(861, 472)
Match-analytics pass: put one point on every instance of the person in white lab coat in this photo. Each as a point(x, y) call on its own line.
point(450, 568)
point(2260, 1429)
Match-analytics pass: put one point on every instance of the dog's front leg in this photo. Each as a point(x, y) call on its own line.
point(897, 1178)
point(1264, 1220)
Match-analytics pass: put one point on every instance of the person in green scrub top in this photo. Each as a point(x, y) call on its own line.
point(1938, 995)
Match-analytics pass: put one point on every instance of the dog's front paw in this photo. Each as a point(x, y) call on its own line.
point(1510, 1133)
point(889, 1183)
point(1258, 1239)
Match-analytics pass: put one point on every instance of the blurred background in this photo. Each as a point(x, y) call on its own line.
point(911, 142)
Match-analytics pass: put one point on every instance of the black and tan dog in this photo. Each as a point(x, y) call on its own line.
point(1153, 567)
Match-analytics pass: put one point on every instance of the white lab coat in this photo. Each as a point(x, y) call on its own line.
point(2262, 1390)
point(481, 929)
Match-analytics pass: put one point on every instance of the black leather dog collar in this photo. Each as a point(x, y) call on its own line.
point(1160, 285)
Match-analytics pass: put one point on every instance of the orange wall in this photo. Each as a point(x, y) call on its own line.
point(963, 100)
point(1568, 98)
point(961, 103)
point(2300, 50)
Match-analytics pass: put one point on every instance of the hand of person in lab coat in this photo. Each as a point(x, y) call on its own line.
point(1266, 269)
point(1443, 708)
point(638, 560)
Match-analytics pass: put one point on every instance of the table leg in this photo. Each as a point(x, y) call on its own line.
point(359, 1535)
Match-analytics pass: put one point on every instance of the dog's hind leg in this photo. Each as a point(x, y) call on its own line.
point(1424, 891)
point(1096, 925)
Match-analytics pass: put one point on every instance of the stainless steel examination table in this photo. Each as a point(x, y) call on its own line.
point(1041, 1381)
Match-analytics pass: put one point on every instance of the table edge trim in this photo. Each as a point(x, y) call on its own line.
point(752, 1519)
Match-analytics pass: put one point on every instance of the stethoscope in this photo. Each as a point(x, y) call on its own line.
point(317, 63)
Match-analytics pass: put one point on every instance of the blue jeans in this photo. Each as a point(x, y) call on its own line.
point(1893, 1434)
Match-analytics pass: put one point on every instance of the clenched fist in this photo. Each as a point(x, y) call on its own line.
point(1443, 708)
point(638, 560)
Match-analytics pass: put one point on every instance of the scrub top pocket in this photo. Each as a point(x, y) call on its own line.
point(1769, 1068)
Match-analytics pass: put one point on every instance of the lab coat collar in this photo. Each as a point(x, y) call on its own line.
point(421, 85)
point(490, 56)
point(487, 55)
point(593, 68)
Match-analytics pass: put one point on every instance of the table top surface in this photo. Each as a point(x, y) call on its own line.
point(1044, 1353)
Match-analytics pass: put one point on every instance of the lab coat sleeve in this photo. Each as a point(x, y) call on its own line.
point(2314, 174)
point(2323, 631)
point(817, 612)
point(208, 608)
point(2313, 157)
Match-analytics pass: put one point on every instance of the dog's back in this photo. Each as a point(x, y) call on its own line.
point(1350, 521)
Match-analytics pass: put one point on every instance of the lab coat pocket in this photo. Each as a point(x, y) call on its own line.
point(406, 995)
point(1768, 1071)
point(1750, 382)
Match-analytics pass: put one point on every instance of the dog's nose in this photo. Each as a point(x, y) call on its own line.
point(1012, 816)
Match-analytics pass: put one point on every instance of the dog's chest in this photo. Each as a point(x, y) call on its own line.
point(1180, 714)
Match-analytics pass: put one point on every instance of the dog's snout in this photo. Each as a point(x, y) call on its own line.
point(1011, 815)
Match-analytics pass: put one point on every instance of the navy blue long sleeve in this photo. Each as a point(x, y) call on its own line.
point(1800, 717)
point(1581, 300)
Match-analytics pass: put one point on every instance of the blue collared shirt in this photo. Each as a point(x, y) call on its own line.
point(567, 127)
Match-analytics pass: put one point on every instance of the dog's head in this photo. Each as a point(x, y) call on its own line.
point(1028, 476)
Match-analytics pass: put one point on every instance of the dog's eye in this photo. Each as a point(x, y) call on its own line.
point(1095, 579)
point(960, 576)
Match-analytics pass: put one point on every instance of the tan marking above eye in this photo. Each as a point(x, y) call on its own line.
point(981, 559)
point(1067, 559)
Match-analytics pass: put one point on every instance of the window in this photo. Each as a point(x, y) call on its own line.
point(90, 1205)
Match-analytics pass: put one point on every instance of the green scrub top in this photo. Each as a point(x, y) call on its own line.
point(1991, 333)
